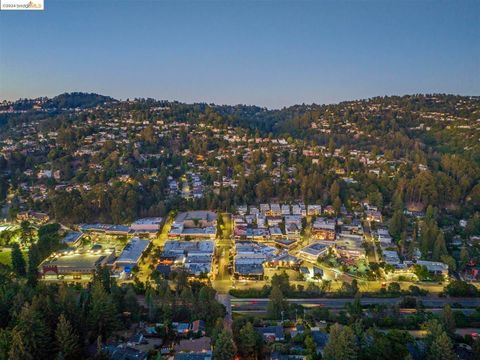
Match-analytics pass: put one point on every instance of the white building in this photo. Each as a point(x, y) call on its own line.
point(131, 254)
point(313, 251)
point(147, 225)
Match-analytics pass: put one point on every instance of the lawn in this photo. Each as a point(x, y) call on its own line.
point(6, 257)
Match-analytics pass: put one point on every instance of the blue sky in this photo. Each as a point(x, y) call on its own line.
point(270, 53)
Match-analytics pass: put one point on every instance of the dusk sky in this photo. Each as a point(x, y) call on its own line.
point(269, 53)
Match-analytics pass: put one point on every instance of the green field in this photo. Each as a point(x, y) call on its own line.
point(5, 256)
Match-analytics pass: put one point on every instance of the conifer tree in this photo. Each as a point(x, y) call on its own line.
point(224, 348)
point(441, 348)
point(18, 262)
point(448, 320)
point(33, 262)
point(17, 348)
point(67, 340)
point(341, 344)
point(102, 314)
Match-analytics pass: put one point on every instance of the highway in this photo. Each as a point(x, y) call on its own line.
point(243, 305)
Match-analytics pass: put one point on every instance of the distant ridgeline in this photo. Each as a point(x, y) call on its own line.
point(41, 108)
point(145, 156)
point(62, 101)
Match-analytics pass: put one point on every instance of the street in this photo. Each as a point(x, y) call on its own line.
point(239, 305)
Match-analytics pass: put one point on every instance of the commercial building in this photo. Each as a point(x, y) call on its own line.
point(391, 257)
point(275, 210)
point(131, 254)
point(350, 248)
point(286, 243)
point(284, 260)
point(384, 237)
point(313, 251)
point(195, 224)
point(147, 225)
point(75, 265)
point(107, 229)
point(193, 256)
point(249, 259)
point(324, 229)
point(72, 238)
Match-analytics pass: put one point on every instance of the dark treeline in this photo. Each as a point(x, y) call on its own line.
point(41, 321)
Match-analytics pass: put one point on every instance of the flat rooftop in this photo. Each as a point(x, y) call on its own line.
point(189, 246)
point(249, 269)
point(133, 251)
point(196, 215)
point(148, 221)
point(72, 237)
point(82, 260)
point(105, 228)
point(315, 248)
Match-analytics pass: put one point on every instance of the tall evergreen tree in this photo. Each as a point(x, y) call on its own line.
point(434, 329)
point(67, 340)
point(5, 343)
point(18, 350)
point(18, 262)
point(464, 257)
point(277, 303)
point(224, 348)
point(441, 349)
point(26, 232)
point(247, 342)
point(341, 344)
point(476, 349)
point(131, 303)
point(102, 314)
point(448, 320)
point(34, 332)
point(33, 262)
point(397, 224)
point(439, 247)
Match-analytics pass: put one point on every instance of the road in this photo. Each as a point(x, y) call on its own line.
point(372, 253)
point(240, 305)
point(224, 299)
point(157, 242)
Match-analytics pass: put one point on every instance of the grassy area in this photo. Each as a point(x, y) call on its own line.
point(6, 257)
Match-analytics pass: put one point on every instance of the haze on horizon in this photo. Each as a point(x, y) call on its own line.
point(265, 53)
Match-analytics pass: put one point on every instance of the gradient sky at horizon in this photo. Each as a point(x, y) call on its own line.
point(268, 53)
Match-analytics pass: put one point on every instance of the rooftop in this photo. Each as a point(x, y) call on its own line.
point(189, 246)
point(148, 221)
point(315, 248)
point(72, 237)
point(133, 251)
point(202, 344)
point(79, 260)
point(196, 215)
